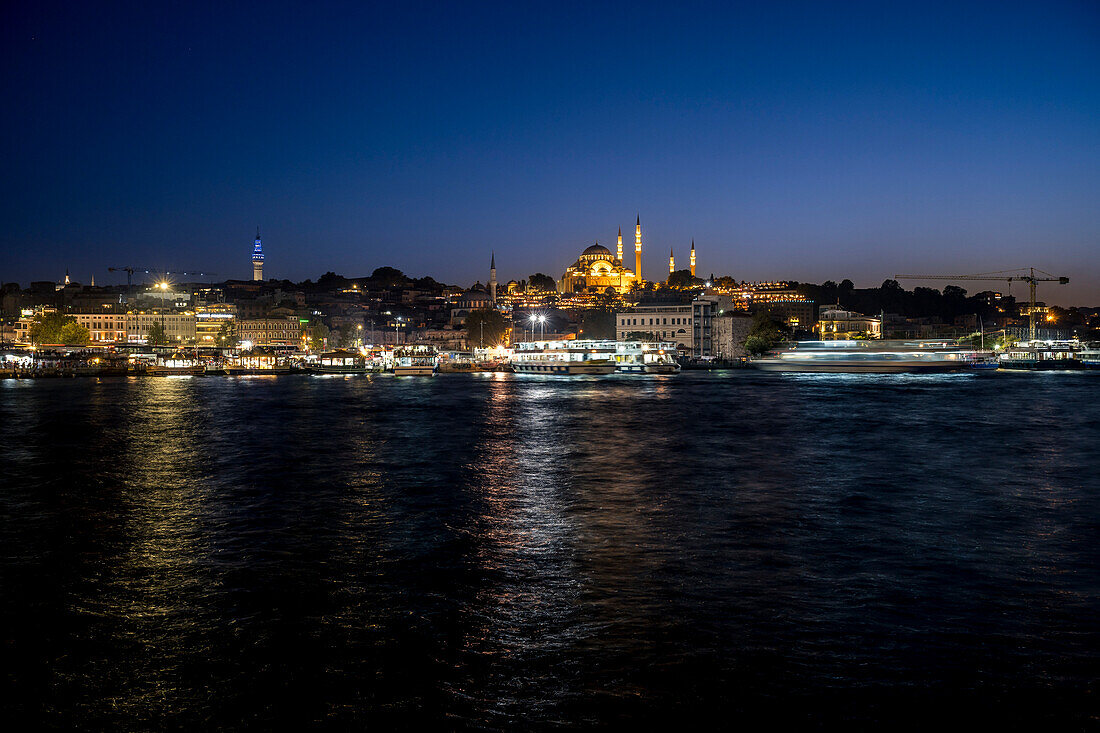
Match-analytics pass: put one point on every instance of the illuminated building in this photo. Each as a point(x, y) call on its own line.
point(270, 331)
point(638, 249)
point(838, 324)
point(658, 322)
point(693, 258)
point(257, 258)
point(596, 268)
point(619, 247)
point(209, 320)
point(671, 262)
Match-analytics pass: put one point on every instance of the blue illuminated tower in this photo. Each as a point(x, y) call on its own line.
point(258, 258)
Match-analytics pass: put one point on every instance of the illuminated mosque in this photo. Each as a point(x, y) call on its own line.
point(597, 268)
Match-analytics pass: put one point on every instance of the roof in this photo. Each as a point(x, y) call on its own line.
point(597, 249)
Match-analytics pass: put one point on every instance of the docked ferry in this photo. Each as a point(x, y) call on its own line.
point(1090, 356)
point(341, 361)
point(565, 357)
point(414, 361)
point(869, 357)
point(1043, 356)
point(646, 357)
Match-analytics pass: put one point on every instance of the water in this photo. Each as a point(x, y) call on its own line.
point(502, 552)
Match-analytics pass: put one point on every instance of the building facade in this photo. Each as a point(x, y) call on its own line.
point(660, 322)
point(837, 324)
point(729, 331)
point(285, 331)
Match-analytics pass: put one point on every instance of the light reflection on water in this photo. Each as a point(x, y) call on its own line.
point(505, 552)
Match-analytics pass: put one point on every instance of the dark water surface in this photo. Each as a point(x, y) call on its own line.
point(505, 552)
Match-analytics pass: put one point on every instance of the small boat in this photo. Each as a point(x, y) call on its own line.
point(565, 357)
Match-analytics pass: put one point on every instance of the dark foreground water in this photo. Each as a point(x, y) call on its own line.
point(510, 552)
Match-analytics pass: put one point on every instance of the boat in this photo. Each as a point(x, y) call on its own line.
point(868, 357)
point(565, 357)
point(340, 361)
point(178, 364)
point(1042, 356)
point(414, 361)
point(1090, 356)
point(646, 357)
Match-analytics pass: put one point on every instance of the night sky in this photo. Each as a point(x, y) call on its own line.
point(804, 141)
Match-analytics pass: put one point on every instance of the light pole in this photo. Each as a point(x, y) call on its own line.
point(360, 328)
point(397, 331)
point(542, 327)
point(534, 318)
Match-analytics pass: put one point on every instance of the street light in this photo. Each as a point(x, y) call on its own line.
point(396, 331)
point(542, 327)
point(534, 319)
point(360, 327)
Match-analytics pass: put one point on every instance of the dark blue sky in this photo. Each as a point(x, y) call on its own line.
point(810, 141)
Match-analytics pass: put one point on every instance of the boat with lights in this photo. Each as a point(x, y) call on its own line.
point(565, 357)
point(871, 357)
point(646, 357)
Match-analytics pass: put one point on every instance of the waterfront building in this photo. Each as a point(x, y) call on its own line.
point(835, 323)
point(659, 322)
point(797, 312)
point(209, 320)
point(273, 331)
point(729, 331)
point(257, 258)
point(105, 327)
point(178, 327)
point(704, 309)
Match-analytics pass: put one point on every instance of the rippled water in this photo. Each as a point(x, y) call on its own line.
point(504, 551)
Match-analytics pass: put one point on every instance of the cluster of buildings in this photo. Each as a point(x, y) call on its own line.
point(704, 318)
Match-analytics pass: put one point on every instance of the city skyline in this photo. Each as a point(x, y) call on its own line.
point(790, 142)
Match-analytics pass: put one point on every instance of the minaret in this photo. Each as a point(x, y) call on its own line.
point(493, 277)
point(693, 258)
point(619, 251)
point(93, 281)
point(638, 249)
point(257, 258)
point(671, 262)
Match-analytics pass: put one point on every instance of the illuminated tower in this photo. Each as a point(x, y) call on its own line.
point(671, 262)
point(493, 278)
point(619, 251)
point(638, 249)
point(257, 258)
point(693, 258)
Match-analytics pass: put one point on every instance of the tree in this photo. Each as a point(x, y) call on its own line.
point(538, 281)
point(485, 327)
point(597, 323)
point(388, 277)
point(157, 336)
point(765, 333)
point(46, 328)
point(317, 333)
point(683, 279)
point(73, 334)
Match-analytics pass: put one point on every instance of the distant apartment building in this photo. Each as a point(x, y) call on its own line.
point(837, 324)
point(105, 328)
point(178, 327)
point(282, 331)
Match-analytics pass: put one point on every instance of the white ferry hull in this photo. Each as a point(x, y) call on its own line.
point(564, 369)
point(413, 371)
point(649, 369)
point(840, 367)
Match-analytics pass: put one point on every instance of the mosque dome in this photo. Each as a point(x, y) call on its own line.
point(597, 249)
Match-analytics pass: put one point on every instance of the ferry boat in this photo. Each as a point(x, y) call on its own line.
point(1042, 356)
point(1090, 356)
point(564, 357)
point(646, 357)
point(414, 361)
point(868, 357)
point(340, 361)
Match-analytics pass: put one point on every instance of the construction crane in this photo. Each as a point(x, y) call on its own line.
point(1009, 276)
point(130, 270)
